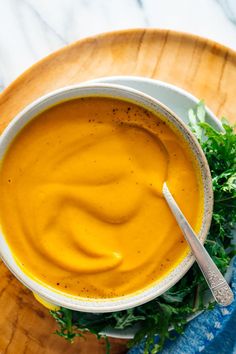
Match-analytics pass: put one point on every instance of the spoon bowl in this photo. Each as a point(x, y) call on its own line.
point(157, 288)
point(215, 280)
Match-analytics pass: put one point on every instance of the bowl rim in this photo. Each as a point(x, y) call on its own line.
point(120, 92)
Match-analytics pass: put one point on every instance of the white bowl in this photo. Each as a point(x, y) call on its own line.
point(121, 92)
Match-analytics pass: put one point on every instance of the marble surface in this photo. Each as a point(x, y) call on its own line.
point(31, 29)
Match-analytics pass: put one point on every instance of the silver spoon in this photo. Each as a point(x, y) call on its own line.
point(216, 282)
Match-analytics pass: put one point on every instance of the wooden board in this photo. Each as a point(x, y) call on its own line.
point(202, 67)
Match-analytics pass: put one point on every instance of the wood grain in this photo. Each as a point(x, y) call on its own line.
point(202, 67)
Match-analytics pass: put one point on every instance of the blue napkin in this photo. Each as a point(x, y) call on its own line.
point(212, 332)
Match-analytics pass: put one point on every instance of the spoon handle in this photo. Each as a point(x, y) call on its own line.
point(217, 283)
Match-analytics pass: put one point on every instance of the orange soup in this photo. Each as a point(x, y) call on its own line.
point(81, 197)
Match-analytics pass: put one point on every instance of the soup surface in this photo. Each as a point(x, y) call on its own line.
point(81, 202)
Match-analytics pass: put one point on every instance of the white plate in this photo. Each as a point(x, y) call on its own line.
point(179, 101)
point(175, 98)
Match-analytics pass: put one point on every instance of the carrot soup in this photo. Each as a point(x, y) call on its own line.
point(81, 197)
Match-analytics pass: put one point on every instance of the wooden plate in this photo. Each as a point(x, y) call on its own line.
point(202, 67)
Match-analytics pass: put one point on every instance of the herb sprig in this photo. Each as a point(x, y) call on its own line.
point(173, 308)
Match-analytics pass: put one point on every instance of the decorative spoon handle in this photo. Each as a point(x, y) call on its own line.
point(217, 283)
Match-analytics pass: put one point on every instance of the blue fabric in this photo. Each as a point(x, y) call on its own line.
point(212, 332)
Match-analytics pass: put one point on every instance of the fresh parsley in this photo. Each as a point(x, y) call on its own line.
point(173, 308)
